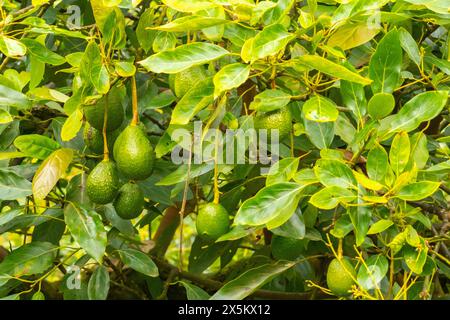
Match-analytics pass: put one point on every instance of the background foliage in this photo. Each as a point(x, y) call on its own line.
point(364, 172)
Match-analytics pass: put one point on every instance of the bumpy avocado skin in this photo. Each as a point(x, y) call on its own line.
point(212, 221)
point(95, 113)
point(182, 81)
point(134, 153)
point(103, 182)
point(129, 203)
point(279, 119)
point(93, 139)
point(339, 280)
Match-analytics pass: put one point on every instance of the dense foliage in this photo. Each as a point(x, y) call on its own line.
point(356, 207)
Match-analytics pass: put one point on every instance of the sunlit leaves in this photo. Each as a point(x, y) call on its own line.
point(13, 98)
point(36, 146)
point(183, 57)
point(11, 47)
point(372, 272)
point(417, 190)
point(230, 77)
point(191, 23)
point(329, 197)
point(352, 35)
point(334, 173)
point(399, 153)
point(320, 109)
point(98, 286)
point(377, 163)
point(92, 69)
point(42, 53)
point(50, 171)
point(381, 105)
point(270, 100)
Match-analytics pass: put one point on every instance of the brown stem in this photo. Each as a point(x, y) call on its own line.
point(135, 120)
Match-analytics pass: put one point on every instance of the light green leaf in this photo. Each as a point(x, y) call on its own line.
point(93, 70)
point(439, 6)
point(87, 229)
point(372, 272)
point(423, 107)
point(321, 134)
point(271, 40)
point(5, 117)
point(377, 163)
point(125, 69)
point(230, 77)
point(410, 46)
point(381, 105)
point(139, 261)
point(189, 6)
point(386, 63)
point(399, 153)
point(331, 68)
point(329, 197)
point(334, 173)
point(417, 190)
point(42, 53)
point(380, 226)
point(183, 57)
point(282, 171)
point(36, 146)
point(191, 23)
point(164, 41)
point(11, 47)
point(50, 171)
point(248, 282)
point(13, 98)
point(72, 125)
point(197, 98)
point(320, 109)
point(193, 292)
point(361, 217)
point(270, 100)
point(352, 35)
point(415, 258)
point(145, 36)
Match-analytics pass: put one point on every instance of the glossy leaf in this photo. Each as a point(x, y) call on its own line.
point(270, 100)
point(334, 173)
point(352, 35)
point(230, 77)
point(42, 53)
point(72, 125)
point(282, 171)
point(13, 98)
point(191, 23)
point(93, 70)
point(139, 261)
point(380, 226)
point(377, 163)
point(321, 134)
point(417, 190)
point(87, 229)
point(98, 286)
point(11, 47)
point(193, 292)
point(36, 146)
point(381, 105)
point(372, 272)
point(320, 109)
point(13, 186)
point(246, 283)
point(183, 57)
point(399, 153)
point(269, 42)
point(410, 46)
point(330, 197)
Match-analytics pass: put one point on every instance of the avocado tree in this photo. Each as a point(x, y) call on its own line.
point(235, 149)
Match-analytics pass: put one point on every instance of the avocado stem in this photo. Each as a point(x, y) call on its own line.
point(105, 123)
point(216, 170)
point(134, 102)
point(339, 250)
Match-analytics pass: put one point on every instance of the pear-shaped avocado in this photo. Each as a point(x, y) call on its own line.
point(280, 120)
point(93, 139)
point(340, 276)
point(103, 182)
point(130, 201)
point(95, 113)
point(134, 153)
point(212, 221)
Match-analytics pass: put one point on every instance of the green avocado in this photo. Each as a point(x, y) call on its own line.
point(95, 113)
point(280, 119)
point(102, 183)
point(340, 276)
point(212, 221)
point(287, 248)
point(134, 153)
point(129, 203)
point(93, 139)
point(181, 82)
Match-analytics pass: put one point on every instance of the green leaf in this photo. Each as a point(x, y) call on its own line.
point(236, 233)
point(321, 134)
point(50, 171)
point(191, 23)
point(380, 226)
point(32, 258)
point(13, 98)
point(189, 6)
point(419, 150)
point(361, 217)
point(381, 105)
point(342, 227)
point(442, 64)
point(293, 228)
point(399, 153)
point(417, 190)
point(329, 197)
point(230, 77)
point(415, 258)
point(11, 47)
point(423, 107)
point(5, 117)
point(372, 272)
point(125, 69)
point(42, 53)
point(305, 177)
point(377, 163)
point(183, 57)
point(214, 33)
point(251, 280)
point(320, 109)
point(145, 36)
point(193, 292)
point(352, 35)
point(98, 286)
point(334, 173)
point(269, 203)
point(410, 46)
point(331, 68)
point(139, 261)
point(164, 41)
point(36, 146)
point(180, 174)
point(13, 187)
point(270, 100)
point(354, 98)
point(439, 6)
point(37, 69)
point(271, 40)
point(72, 125)
point(197, 98)
point(87, 229)
point(282, 171)
point(386, 63)
point(92, 69)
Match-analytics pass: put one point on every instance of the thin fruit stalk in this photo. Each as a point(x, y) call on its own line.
point(105, 123)
point(134, 102)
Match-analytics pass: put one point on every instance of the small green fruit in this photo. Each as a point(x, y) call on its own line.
point(93, 139)
point(339, 276)
point(129, 203)
point(102, 182)
point(287, 248)
point(181, 82)
point(212, 221)
point(95, 113)
point(276, 120)
point(134, 153)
